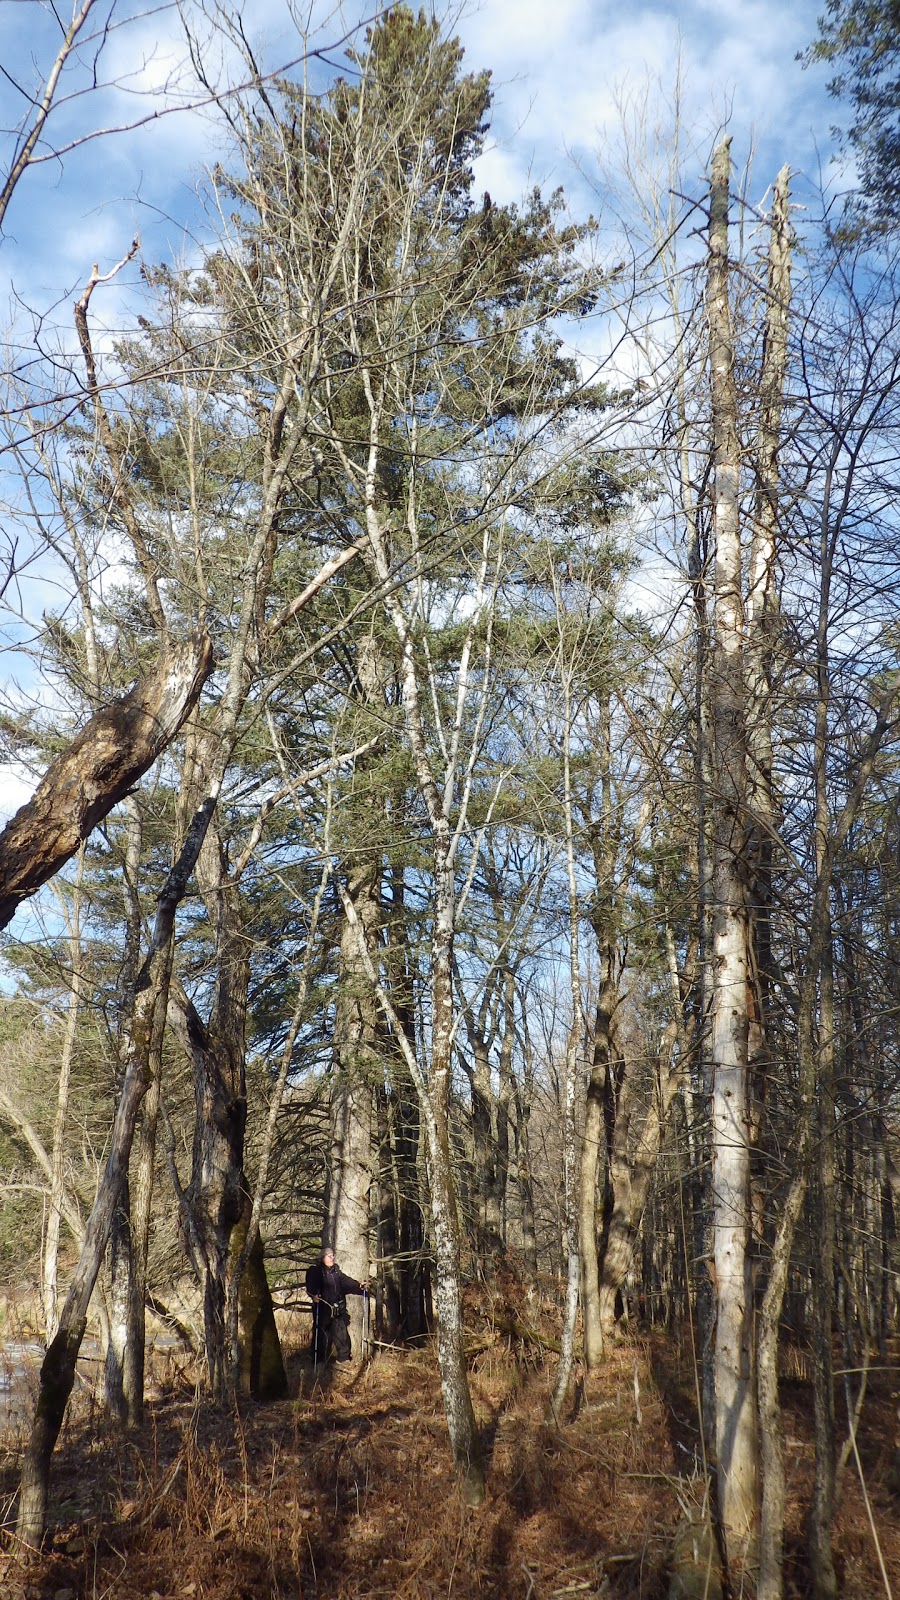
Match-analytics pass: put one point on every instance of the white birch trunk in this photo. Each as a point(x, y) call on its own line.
point(736, 1435)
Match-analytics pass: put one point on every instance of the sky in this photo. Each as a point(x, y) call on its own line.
point(561, 69)
point(558, 67)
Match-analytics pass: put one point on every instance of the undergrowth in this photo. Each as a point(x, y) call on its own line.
point(346, 1490)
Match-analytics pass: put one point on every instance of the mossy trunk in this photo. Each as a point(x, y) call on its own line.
point(261, 1374)
point(696, 1569)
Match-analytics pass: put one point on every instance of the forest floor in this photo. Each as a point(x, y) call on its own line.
point(346, 1490)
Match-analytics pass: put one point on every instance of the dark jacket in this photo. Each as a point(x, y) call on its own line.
point(330, 1284)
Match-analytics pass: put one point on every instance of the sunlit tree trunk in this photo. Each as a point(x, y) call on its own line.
point(448, 1295)
point(761, 613)
point(601, 1081)
point(357, 1068)
point(58, 1154)
point(761, 602)
point(736, 1434)
point(126, 1327)
point(114, 749)
point(570, 1070)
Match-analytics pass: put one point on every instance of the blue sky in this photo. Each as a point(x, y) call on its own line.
point(559, 69)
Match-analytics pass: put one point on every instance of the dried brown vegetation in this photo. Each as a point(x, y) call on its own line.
point(347, 1489)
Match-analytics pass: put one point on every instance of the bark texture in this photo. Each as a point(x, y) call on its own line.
point(357, 1070)
point(736, 1443)
point(261, 1373)
point(113, 750)
point(592, 1145)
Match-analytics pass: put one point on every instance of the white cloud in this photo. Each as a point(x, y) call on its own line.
point(556, 73)
point(17, 785)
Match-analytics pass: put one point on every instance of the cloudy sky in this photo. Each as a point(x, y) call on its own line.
point(561, 68)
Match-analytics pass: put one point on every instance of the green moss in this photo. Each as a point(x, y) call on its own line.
point(261, 1373)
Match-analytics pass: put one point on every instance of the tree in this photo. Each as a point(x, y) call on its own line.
point(113, 750)
point(862, 38)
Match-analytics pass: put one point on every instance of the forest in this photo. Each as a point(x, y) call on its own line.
point(450, 644)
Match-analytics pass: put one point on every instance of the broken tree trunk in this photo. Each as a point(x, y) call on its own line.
point(113, 750)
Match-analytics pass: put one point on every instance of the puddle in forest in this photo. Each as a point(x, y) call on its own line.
point(20, 1371)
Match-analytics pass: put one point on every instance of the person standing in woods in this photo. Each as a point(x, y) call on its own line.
point(328, 1288)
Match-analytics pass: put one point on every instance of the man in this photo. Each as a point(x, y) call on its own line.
point(328, 1287)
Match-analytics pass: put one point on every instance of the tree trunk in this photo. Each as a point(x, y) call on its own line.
point(142, 1199)
point(824, 1578)
point(260, 1366)
point(761, 620)
point(434, 1099)
point(736, 1439)
point(568, 1108)
point(702, 1077)
point(57, 1180)
point(592, 1144)
point(481, 1030)
point(524, 1180)
point(216, 1194)
point(570, 1219)
point(357, 1070)
point(388, 1301)
point(463, 1430)
point(58, 1370)
point(216, 1197)
point(120, 1275)
point(632, 1163)
point(464, 1439)
point(414, 1292)
point(113, 750)
point(120, 1353)
point(504, 1103)
point(411, 1201)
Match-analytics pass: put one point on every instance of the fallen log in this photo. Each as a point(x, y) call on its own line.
point(515, 1328)
point(696, 1572)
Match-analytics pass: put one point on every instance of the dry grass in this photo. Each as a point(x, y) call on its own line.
point(347, 1490)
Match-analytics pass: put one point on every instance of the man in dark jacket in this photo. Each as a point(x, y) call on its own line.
point(328, 1288)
